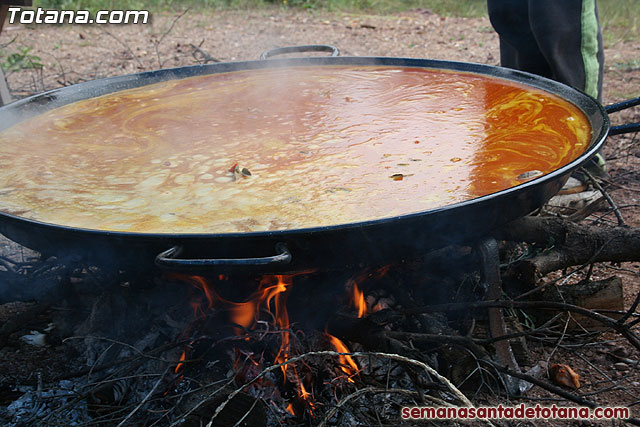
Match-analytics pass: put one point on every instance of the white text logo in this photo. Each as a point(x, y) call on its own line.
point(45, 16)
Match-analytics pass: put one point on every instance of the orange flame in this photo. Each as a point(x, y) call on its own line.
point(243, 313)
point(290, 409)
point(179, 366)
point(277, 294)
point(358, 300)
point(305, 395)
point(357, 296)
point(275, 297)
point(347, 364)
point(272, 294)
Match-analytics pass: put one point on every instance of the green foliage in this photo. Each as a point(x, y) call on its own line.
point(21, 60)
point(620, 20)
point(443, 7)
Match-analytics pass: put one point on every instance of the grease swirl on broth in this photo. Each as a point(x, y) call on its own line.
point(324, 146)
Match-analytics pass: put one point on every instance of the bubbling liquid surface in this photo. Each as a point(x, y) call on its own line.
point(323, 146)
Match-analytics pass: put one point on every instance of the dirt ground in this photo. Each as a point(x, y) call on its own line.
point(72, 54)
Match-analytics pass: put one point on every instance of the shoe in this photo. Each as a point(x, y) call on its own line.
point(573, 206)
point(577, 199)
point(573, 186)
point(579, 181)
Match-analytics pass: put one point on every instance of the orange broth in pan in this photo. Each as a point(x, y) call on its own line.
point(323, 146)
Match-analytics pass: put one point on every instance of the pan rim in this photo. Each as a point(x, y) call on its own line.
point(572, 95)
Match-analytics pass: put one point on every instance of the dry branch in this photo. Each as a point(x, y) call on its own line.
point(126, 46)
point(556, 390)
point(396, 357)
point(606, 195)
point(372, 390)
point(146, 398)
point(207, 58)
point(573, 244)
point(159, 40)
point(622, 329)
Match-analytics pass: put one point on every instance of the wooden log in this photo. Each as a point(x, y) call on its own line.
point(604, 294)
point(572, 245)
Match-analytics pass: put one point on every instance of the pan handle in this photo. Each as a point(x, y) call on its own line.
point(622, 105)
point(168, 259)
point(305, 48)
point(620, 129)
point(628, 128)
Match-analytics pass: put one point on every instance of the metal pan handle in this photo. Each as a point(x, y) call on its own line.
point(620, 129)
point(622, 105)
point(168, 259)
point(628, 128)
point(295, 49)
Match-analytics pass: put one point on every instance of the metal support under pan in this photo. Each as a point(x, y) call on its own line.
point(490, 271)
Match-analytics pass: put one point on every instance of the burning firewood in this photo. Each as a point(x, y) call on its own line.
point(250, 350)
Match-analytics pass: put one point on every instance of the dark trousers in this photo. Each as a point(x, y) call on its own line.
point(558, 39)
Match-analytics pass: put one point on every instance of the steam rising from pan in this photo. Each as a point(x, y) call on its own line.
point(317, 144)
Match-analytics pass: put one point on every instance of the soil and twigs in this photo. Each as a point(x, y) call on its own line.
point(88, 345)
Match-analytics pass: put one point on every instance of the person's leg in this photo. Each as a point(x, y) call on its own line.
point(568, 34)
point(518, 46)
point(557, 39)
